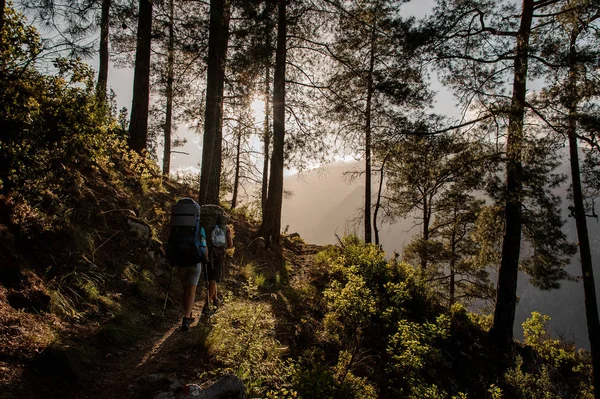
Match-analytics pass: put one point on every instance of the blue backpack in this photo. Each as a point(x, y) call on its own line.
point(187, 241)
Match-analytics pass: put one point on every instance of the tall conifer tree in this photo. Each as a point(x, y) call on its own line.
point(210, 173)
point(568, 101)
point(138, 125)
point(374, 78)
point(270, 229)
point(482, 51)
point(76, 21)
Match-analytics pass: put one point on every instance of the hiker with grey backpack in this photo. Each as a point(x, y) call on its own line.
point(186, 251)
point(219, 238)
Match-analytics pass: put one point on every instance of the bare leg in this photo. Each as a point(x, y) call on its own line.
point(212, 290)
point(189, 296)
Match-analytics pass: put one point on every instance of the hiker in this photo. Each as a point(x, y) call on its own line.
point(186, 250)
point(189, 276)
point(216, 259)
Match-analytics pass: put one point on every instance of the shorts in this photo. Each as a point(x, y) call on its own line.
point(215, 268)
point(189, 275)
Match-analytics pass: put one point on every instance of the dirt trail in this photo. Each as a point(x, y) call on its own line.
point(165, 353)
point(302, 261)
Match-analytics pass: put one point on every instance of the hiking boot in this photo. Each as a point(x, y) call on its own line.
point(216, 302)
point(206, 310)
point(186, 322)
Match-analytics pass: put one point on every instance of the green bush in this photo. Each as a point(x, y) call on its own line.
point(553, 369)
point(243, 339)
point(314, 378)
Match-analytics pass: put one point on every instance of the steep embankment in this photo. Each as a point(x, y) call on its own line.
point(83, 285)
point(81, 261)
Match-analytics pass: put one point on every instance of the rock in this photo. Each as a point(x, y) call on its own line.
point(257, 244)
point(176, 385)
point(139, 230)
point(228, 387)
point(165, 395)
point(192, 391)
point(293, 235)
point(154, 378)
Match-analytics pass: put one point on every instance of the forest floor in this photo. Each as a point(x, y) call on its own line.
point(167, 355)
point(161, 357)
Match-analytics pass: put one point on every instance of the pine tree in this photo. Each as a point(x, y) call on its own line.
point(564, 105)
point(423, 172)
point(77, 23)
point(481, 47)
point(271, 225)
point(210, 173)
point(463, 274)
point(138, 124)
point(373, 79)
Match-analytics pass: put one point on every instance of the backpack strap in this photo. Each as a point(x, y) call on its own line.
point(198, 233)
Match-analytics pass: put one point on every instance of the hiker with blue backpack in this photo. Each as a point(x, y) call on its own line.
point(186, 251)
point(197, 242)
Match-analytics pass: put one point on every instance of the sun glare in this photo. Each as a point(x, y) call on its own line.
point(258, 110)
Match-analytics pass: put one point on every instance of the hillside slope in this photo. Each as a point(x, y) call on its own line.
point(81, 311)
point(82, 293)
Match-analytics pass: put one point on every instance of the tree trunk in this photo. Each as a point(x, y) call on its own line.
point(267, 144)
point(587, 270)
point(506, 295)
point(367, 214)
point(236, 180)
point(453, 258)
point(2, 6)
point(378, 203)
point(138, 126)
point(426, 219)
point(271, 224)
point(210, 175)
point(103, 65)
point(169, 94)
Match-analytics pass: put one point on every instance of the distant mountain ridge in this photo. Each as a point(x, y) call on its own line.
point(324, 204)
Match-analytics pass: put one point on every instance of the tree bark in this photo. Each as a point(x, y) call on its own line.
point(236, 180)
point(101, 86)
point(367, 214)
point(271, 224)
point(169, 93)
point(378, 203)
point(453, 258)
point(267, 143)
point(506, 295)
point(587, 269)
point(426, 220)
point(210, 174)
point(138, 126)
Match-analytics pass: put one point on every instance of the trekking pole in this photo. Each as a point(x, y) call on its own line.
point(168, 290)
point(207, 286)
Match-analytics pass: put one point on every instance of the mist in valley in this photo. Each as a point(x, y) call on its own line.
point(324, 203)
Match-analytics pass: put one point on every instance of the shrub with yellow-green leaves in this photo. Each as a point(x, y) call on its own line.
point(413, 349)
point(379, 307)
point(554, 369)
